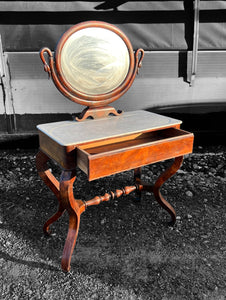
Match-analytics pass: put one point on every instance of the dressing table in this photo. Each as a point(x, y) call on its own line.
point(94, 64)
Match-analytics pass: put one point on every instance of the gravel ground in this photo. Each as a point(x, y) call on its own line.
point(124, 250)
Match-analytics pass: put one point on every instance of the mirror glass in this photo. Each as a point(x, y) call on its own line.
point(94, 60)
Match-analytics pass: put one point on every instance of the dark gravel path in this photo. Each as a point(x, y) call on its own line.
point(124, 250)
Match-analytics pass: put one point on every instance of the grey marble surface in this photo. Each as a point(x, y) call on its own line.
point(72, 132)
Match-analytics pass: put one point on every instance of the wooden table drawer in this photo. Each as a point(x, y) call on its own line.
point(116, 155)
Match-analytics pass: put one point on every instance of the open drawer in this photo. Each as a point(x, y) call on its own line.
point(103, 158)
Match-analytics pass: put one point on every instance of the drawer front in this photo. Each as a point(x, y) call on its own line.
point(111, 162)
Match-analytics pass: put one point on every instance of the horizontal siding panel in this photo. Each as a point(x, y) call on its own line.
point(212, 4)
point(42, 6)
point(152, 25)
point(212, 36)
point(41, 96)
point(31, 37)
point(157, 85)
point(27, 65)
point(28, 25)
point(156, 64)
point(210, 63)
point(28, 6)
point(159, 92)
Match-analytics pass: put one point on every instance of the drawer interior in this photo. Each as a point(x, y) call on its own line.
point(132, 141)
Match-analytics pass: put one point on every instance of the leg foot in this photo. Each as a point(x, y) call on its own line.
point(162, 178)
point(53, 219)
point(74, 221)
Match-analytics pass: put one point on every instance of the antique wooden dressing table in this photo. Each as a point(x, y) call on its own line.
point(94, 65)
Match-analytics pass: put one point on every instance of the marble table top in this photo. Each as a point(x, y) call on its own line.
point(68, 133)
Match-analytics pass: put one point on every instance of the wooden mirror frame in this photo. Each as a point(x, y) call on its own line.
point(86, 25)
point(54, 68)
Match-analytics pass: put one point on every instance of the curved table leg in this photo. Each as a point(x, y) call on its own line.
point(53, 219)
point(74, 208)
point(50, 180)
point(162, 178)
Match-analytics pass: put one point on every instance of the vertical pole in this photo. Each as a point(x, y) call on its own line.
point(195, 42)
point(10, 116)
point(2, 81)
